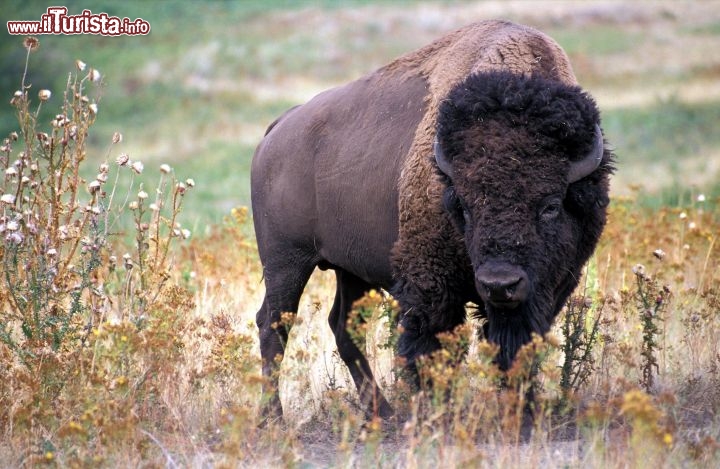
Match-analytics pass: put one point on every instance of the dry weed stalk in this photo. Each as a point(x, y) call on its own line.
point(89, 338)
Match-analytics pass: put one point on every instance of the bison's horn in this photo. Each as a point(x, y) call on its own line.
point(442, 162)
point(582, 168)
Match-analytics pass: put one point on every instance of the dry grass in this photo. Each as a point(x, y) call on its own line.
point(613, 418)
point(152, 359)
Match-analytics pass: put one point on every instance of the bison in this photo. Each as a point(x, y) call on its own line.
point(471, 170)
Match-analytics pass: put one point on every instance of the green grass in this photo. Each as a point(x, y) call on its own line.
point(708, 29)
point(225, 182)
point(187, 95)
point(669, 130)
point(595, 40)
point(680, 139)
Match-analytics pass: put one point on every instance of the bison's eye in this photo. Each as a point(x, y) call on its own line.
point(466, 217)
point(465, 212)
point(550, 209)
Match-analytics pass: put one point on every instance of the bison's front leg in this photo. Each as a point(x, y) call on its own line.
point(424, 315)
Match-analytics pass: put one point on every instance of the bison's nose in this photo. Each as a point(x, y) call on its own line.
point(502, 285)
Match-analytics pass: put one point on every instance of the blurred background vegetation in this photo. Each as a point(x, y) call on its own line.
point(198, 92)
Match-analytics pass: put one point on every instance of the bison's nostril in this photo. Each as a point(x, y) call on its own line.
point(502, 283)
point(501, 290)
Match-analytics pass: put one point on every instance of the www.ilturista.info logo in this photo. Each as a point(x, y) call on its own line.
point(57, 21)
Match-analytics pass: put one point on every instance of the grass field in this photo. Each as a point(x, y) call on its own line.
point(124, 344)
point(199, 91)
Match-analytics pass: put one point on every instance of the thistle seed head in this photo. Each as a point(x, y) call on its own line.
point(94, 186)
point(31, 43)
point(94, 75)
point(137, 167)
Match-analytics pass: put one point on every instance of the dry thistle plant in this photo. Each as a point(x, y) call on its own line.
point(88, 338)
point(373, 309)
point(580, 328)
point(651, 300)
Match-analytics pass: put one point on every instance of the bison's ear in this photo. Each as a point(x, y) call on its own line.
point(591, 161)
point(589, 197)
point(585, 198)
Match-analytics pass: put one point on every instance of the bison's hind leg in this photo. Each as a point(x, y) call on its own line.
point(284, 284)
point(349, 289)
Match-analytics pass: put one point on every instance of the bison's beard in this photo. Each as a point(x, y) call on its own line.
point(511, 329)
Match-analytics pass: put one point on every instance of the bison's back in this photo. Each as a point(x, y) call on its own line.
point(325, 177)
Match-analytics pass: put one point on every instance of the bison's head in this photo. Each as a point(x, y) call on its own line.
point(526, 176)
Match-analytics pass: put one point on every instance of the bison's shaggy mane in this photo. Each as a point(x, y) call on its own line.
point(559, 115)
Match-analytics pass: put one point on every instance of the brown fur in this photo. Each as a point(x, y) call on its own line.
point(483, 46)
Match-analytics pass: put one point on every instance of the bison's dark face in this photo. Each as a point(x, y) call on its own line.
point(526, 185)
